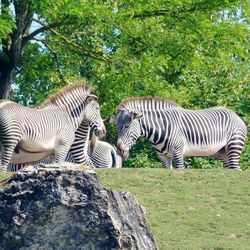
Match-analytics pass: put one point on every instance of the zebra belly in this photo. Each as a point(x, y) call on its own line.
point(191, 149)
point(24, 157)
point(37, 146)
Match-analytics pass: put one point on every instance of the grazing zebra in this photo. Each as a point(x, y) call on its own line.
point(176, 132)
point(28, 135)
point(94, 153)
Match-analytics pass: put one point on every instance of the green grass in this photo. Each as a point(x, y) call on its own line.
point(191, 209)
point(5, 175)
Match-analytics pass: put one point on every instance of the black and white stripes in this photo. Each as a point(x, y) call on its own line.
point(176, 132)
point(48, 130)
point(94, 153)
point(103, 154)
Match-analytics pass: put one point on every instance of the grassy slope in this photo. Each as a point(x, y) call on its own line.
point(191, 209)
point(4, 176)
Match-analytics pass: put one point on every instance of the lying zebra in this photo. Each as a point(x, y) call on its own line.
point(176, 132)
point(103, 154)
point(49, 129)
point(96, 153)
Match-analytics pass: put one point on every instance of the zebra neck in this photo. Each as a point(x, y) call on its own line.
point(82, 136)
point(75, 110)
point(150, 127)
point(81, 143)
point(146, 128)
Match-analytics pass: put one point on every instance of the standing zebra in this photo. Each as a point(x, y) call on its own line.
point(48, 130)
point(175, 132)
point(94, 153)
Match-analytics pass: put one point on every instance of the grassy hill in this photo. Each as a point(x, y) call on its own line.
point(191, 209)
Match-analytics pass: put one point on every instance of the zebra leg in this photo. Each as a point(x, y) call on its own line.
point(7, 154)
point(3, 168)
point(233, 151)
point(10, 135)
point(15, 167)
point(79, 157)
point(61, 153)
point(166, 161)
point(178, 161)
point(221, 156)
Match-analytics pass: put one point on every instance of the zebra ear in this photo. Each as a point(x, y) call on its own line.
point(110, 119)
point(137, 115)
point(91, 98)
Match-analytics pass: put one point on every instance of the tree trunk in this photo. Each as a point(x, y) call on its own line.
point(12, 47)
point(6, 75)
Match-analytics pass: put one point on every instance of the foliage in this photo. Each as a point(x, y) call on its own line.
point(191, 209)
point(142, 156)
point(193, 52)
point(6, 23)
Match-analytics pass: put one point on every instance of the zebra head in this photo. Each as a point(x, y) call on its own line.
point(128, 129)
point(93, 117)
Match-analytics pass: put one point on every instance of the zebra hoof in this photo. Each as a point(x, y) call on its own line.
point(168, 167)
point(233, 168)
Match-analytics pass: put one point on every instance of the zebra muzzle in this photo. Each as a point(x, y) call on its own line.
point(123, 153)
point(121, 150)
point(100, 133)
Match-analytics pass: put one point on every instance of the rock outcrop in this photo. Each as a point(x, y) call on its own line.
point(69, 210)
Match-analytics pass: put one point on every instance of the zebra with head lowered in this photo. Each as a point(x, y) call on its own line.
point(176, 132)
point(48, 130)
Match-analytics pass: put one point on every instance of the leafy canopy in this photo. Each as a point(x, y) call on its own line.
point(195, 52)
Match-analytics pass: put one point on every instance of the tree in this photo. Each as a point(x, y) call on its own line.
point(193, 52)
point(29, 21)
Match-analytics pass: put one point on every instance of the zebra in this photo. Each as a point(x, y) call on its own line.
point(28, 134)
point(103, 154)
point(97, 154)
point(91, 153)
point(176, 132)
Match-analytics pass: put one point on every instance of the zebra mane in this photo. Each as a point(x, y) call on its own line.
point(145, 103)
point(65, 90)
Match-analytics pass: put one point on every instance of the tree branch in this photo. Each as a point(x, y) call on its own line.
point(29, 37)
point(79, 51)
point(163, 12)
point(153, 13)
point(69, 44)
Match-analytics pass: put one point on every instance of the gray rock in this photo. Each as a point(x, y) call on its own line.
point(69, 210)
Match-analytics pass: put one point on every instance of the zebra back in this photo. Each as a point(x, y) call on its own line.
point(145, 103)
